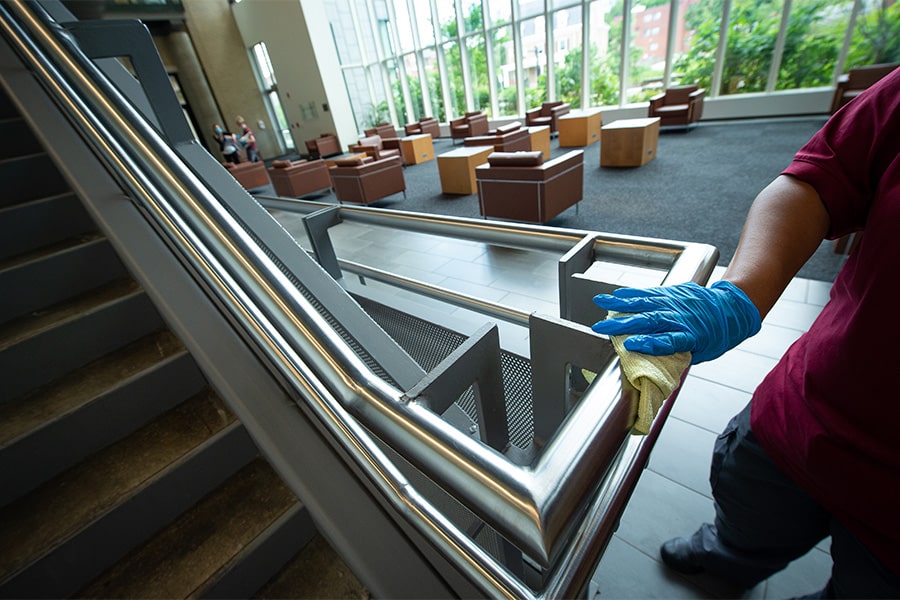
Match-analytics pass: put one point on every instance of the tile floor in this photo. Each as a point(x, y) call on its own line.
point(672, 497)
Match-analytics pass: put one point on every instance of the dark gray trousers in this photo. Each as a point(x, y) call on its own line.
point(764, 521)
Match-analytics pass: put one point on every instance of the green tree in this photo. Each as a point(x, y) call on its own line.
point(877, 35)
point(752, 31)
point(814, 32)
point(377, 114)
point(809, 53)
point(568, 78)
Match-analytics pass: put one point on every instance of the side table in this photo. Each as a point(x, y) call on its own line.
point(417, 148)
point(540, 139)
point(579, 128)
point(457, 168)
point(629, 142)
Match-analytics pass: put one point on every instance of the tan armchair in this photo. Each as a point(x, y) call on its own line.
point(548, 113)
point(322, 146)
point(852, 84)
point(508, 138)
point(522, 187)
point(250, 175)
point(469, 125)
point(293, 179)
point(363, 180)
point(374, 146)
point(680, 105)
point(424, 125)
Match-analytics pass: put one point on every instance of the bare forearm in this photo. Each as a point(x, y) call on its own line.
point(784, 227)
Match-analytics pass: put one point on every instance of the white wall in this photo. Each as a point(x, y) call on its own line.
point(313, 104)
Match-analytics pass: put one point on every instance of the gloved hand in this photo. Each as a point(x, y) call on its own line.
point(681, 318)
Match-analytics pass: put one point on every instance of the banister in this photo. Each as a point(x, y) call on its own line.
point(543, 508)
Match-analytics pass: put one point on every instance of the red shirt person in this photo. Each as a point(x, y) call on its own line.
point(816, 452)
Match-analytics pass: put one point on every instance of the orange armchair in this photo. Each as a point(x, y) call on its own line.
point(548, 113)
point(522, 187)
point(363, 180)
point(469, 125)
point(293, 179)
point(680, 105)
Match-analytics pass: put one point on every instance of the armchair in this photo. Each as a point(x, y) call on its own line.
point(293, 179)
point(424, 125)
point(322, 146)
point(547, 113)
point(363, 180)
point(680, 105)
point(385, 130)
point(375, 147)
point(390, 139)
point(852, 84)
point(508, 138)
point(249, 174)
point(469, 125)
point(522, 187)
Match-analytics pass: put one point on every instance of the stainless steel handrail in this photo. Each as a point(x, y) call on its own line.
point(529, 505)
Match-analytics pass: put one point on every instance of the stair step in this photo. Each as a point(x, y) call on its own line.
point(37, 349)
point(50, 429)
point(55, 273)
point(185, 557)
point(15, 128)
point(315, 572)
point(30, 177)
point(64, 533)
point(31, 225)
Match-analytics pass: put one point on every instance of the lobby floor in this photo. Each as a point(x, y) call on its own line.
point(673, 496)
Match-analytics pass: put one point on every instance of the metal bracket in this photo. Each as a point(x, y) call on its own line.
point(576, 290)
point(316, 225)
point(475, 363)
point(132, 39)
point(559, 350)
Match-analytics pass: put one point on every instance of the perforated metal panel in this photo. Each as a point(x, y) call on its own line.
point(428, 344)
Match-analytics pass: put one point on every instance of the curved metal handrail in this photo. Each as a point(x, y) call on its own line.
point(533, 506)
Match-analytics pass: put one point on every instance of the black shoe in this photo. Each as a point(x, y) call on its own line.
point(677, 555)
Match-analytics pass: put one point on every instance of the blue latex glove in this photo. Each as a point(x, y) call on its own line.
point(681, 318)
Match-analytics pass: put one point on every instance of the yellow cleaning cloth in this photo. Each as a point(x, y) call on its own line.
point(655, 377)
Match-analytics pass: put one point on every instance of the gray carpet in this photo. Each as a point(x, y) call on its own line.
point(698, 189)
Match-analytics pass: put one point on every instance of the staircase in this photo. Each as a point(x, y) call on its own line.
point(124, 474)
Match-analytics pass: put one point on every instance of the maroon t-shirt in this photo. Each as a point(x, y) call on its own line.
point(829, 412)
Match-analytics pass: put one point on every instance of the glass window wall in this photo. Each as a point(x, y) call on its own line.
point(498, 55)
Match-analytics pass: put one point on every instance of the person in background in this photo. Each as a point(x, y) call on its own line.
point(248, 140)
point(817, 451)
point(228, 144)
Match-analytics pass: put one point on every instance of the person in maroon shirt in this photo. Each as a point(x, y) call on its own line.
point(817, 450)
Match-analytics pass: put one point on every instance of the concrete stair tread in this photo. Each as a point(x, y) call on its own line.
point(315, 572)
point(49, 198)
point(25, 414)
point(50, 249)
point(34, 524)
point(180, 560)
point(42, 320)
